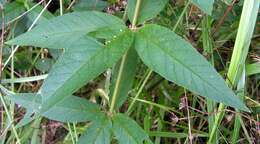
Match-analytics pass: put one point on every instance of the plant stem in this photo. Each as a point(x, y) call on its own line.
point(61, 7)
point(137, 9)
point(243, 40)
point(118, 81)
point(239, 55)
point(121, 68)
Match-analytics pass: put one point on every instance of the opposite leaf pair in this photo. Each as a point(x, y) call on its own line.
point(85, 58)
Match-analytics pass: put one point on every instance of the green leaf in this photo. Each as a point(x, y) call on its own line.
point(82, 62)
point(176, 60)
point(11, 11)
point(127, 78)
point(98, 132)
point(32, 15)
point(127, 131)
point(148, 9)
point(71, 109)
point(204, 5)
point(84, 5)
point(62, 31)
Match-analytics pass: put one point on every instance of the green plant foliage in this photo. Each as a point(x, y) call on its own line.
point(32, 15)
point(177, 61)
point(44, 65)
point(73, 68)
point(127, 131)
point(128, 76)
point(27, 118)
point(71, 109)
point(98, 132)
point(64, 30)
point(204, 5)
point(11, 11)
point(84, 5)
point(22, 60)
point(252, 69)
point(148, 9)
point(83, 62)
point(85, 44)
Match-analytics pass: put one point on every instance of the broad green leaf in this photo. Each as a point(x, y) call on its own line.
point(71, 109)
point(176, 60)
point(84, 5)
point(204, 5)
point(98, 132)
point(127, 78)
point(65, 30)
point(148, 9)
point(127, 131)
point(11, 11)
point(80, 63)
